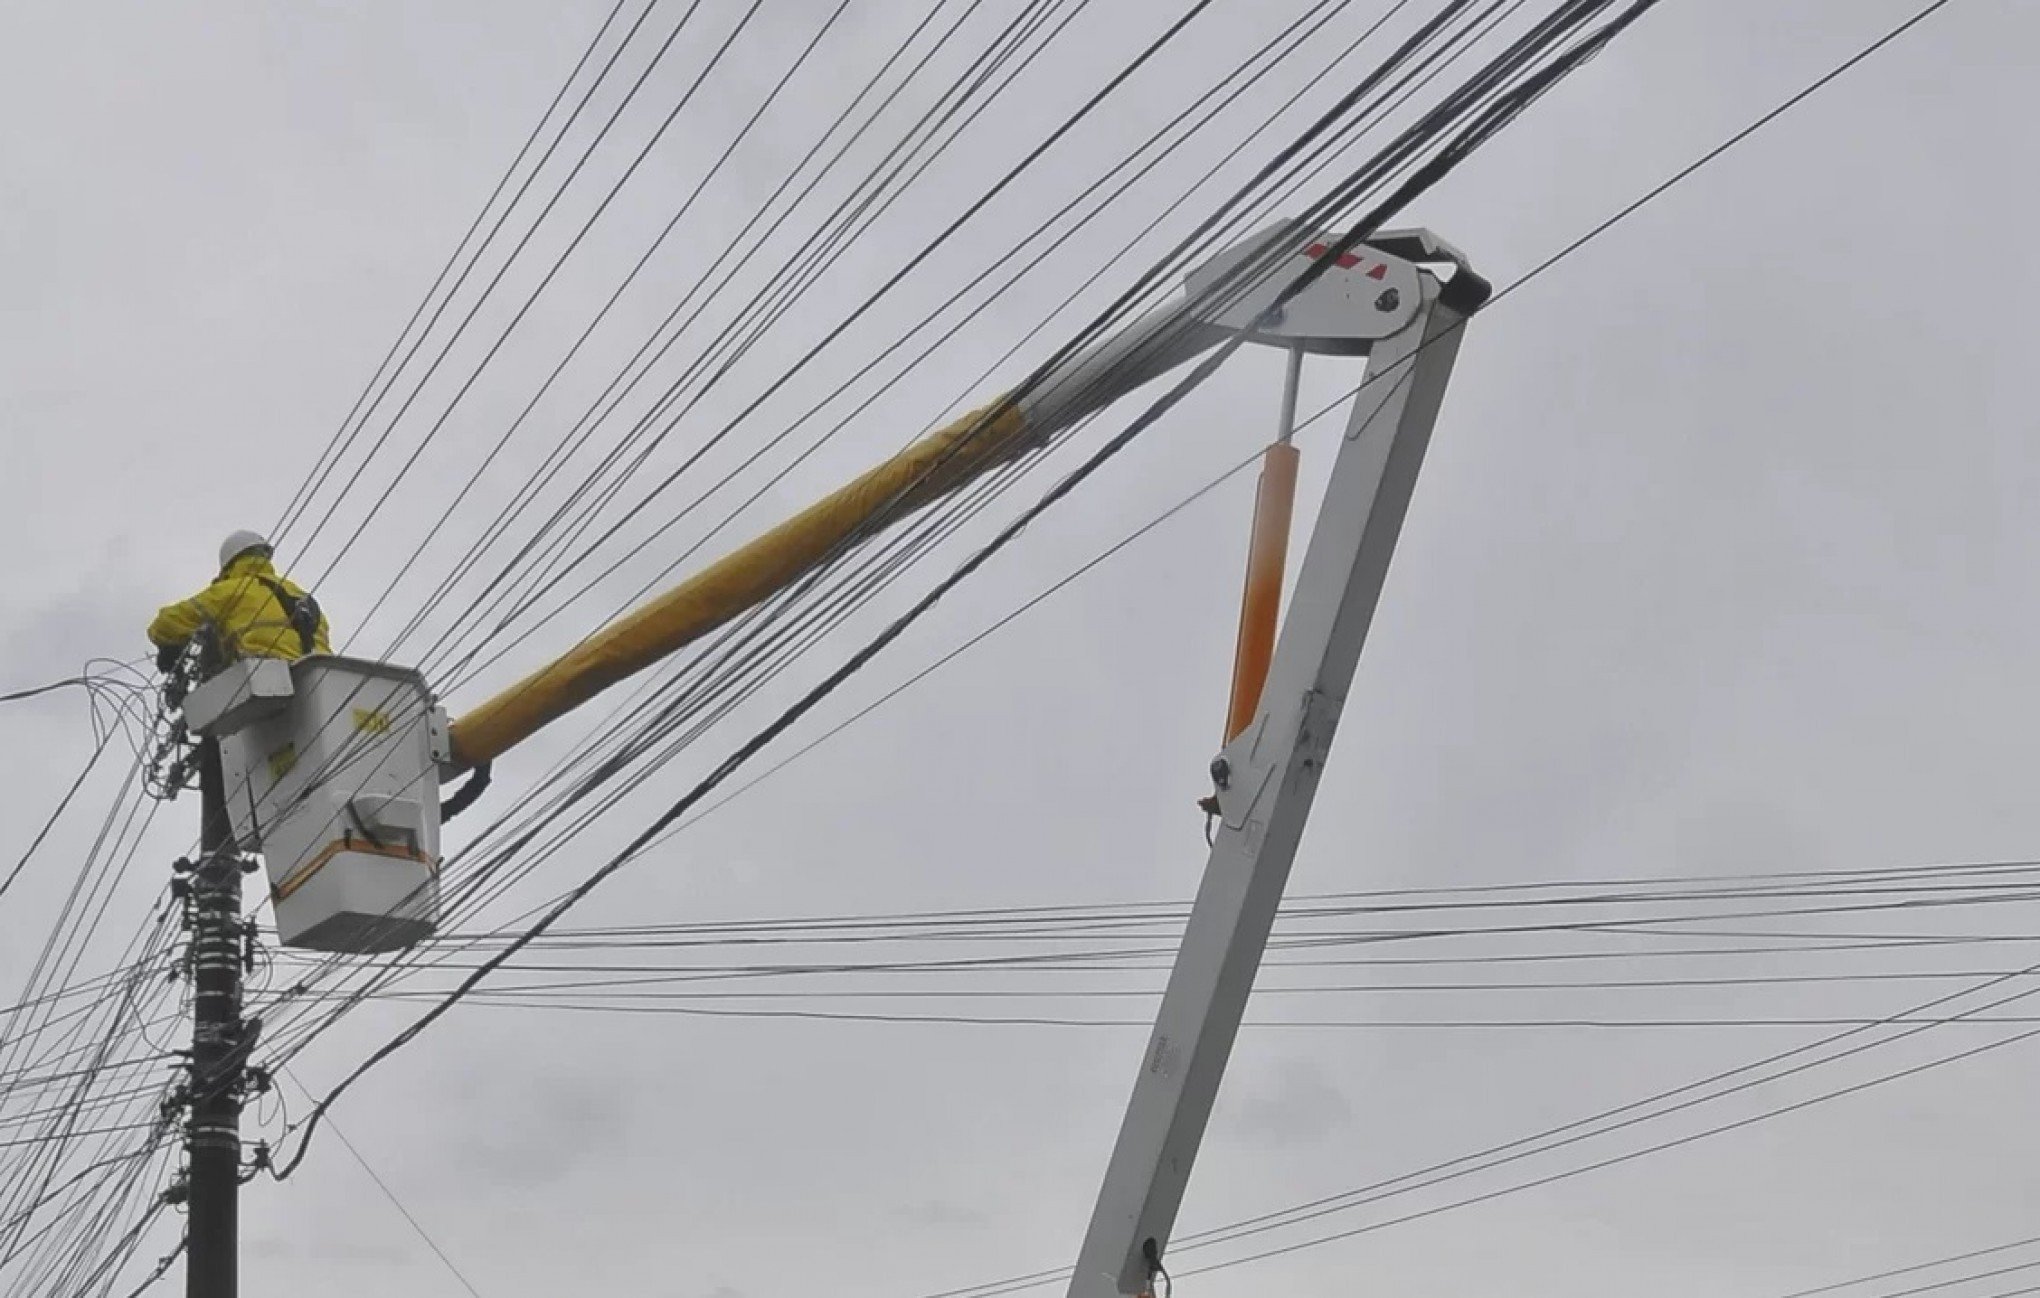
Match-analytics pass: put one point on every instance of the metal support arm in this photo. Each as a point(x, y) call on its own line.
point(1267, 778)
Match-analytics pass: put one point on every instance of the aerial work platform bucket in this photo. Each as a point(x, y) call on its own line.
point(332, 773)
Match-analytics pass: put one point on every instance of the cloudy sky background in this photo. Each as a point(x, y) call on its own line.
point(1720, 565)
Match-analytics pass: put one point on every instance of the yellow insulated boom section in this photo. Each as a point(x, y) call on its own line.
point(742, 579)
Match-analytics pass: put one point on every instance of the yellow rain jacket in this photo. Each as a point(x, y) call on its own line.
point(241, 607)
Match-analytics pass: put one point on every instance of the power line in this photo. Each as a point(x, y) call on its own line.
point(686, 206)
point(664, 723)
point(1461, 7)
point(387, 1193)
point(585, 425)
point(1554, 259)
point(981, 1291)
point(892, 281)
point(1632, 1155)
point(302, 496)
point(1590, 235)
point(375, 447)
point(161, 1269)
point(1476, 113)
point(1916, 1268)
point(17, 696)
point(63, 805)
point(714, 61)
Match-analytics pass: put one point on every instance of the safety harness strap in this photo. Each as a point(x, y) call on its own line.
point(302, 610)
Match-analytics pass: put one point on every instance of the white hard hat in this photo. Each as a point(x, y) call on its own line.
point(238, 544)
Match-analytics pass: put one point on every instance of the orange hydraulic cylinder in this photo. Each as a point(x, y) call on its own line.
point(1267, 553)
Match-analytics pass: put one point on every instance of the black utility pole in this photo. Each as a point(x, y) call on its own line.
point(219, 1046)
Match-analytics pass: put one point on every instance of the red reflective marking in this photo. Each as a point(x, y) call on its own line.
point(1347, 260)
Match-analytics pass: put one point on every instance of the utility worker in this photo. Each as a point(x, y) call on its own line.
point(249, 609)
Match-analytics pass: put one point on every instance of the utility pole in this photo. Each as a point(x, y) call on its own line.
point(219, 1043)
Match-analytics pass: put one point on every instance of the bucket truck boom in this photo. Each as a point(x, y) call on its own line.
point(1224, 296)
point(333, 764)
point(1267, 773)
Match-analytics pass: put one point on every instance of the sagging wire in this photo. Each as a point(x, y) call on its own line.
point(1484, 119)
point(1433, 29)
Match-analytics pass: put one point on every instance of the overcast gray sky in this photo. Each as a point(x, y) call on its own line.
point(1720, 565)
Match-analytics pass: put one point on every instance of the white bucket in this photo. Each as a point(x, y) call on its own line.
point(339, 792)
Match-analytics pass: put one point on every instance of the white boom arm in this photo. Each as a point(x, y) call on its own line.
point(1267, 777)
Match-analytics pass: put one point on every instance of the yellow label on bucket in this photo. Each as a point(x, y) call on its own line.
point(370, 722)
point(281, 761)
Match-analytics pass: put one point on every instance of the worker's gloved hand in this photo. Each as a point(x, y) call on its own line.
point(167, 657)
